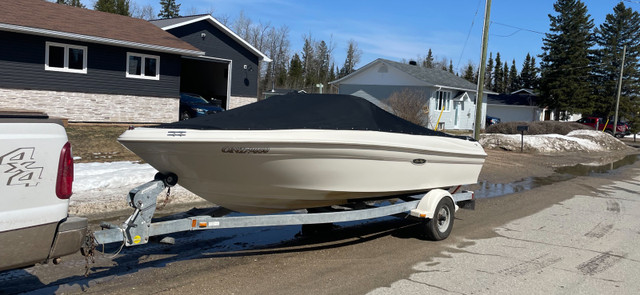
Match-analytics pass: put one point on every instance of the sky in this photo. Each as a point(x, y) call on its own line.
point(404, 30)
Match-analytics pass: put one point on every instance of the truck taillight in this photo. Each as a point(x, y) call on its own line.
point(65, 173)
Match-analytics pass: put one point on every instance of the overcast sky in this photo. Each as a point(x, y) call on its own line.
point(404, 29)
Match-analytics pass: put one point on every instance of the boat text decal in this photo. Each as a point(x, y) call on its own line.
point(20, 167)
point(244, 150)
point(177, 133)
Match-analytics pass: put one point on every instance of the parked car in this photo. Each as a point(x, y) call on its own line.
point(491, 120)
point(193, 105)
point(598, 124)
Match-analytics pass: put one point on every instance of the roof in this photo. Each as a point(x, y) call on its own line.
point(512, 100)
point(39, 17)
point(170, 23)
point(432, 76)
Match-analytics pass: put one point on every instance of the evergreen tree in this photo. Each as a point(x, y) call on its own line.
point(105, 6)
point(498, 76)
point(514, 81)
point(527, 75)
point(296, 72)
point(308, 56)
point(122, 7)
point(75, 3)
point(505, 78)
point(451, 66)
point(428, 61)
point(113, 6)
point(322, 61)
point(566, 58)
point(470, 74)
point(169, 9)
point(488, 77)
point(352, 59)
point(619, 29)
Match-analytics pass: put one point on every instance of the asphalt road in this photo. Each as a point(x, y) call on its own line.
point(575, 236)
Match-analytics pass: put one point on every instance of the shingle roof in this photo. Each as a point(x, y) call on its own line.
point(512, 100)
point(431, 76)
point(40, 17)
point(436, 77)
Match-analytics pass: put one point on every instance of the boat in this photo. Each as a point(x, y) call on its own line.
point(302, 151)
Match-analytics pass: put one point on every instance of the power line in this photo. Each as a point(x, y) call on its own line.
point(469, 33)
point(632, 1)
point(514, 27)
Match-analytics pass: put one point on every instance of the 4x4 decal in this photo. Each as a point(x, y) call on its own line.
point(21, 169)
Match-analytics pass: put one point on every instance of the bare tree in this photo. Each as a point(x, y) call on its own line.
point(411, 105)
point(143, 12)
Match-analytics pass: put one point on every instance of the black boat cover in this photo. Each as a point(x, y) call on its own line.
point(306, 111)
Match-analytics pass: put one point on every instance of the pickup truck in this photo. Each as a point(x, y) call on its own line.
point(36, 178)
point(598, 124)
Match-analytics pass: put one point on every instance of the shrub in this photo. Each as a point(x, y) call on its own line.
point(539, 127)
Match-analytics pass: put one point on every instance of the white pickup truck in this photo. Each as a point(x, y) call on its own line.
point(36, 177)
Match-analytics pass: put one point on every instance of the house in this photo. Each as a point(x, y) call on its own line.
point(91, 66)
point(520, 105)
point(88, 66)
point(450, 98)
point(230, 68)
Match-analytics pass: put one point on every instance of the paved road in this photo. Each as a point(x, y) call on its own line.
point(584, 245)
point(575, 236)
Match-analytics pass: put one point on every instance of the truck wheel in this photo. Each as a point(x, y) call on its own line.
point(439, 227)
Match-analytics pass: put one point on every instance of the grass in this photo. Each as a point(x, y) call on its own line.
point(98, 143)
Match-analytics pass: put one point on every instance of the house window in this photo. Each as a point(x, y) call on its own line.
point(443, 100)
point(143, 66)
point(65, 58)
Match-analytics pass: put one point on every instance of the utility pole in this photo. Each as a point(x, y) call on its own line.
point(483, 65)
point(615, 119)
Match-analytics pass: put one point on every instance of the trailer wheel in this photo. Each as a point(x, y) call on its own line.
point(439, 227)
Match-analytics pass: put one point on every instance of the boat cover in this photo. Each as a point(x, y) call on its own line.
point(306, 111)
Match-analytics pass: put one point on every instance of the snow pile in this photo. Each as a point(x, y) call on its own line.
point(575, 141)
point(103, 187)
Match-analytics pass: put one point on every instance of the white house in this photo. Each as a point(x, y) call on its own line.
point(451, 98)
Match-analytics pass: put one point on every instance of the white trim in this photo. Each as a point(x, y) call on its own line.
point(208, 57)
point(142, 75)
point(446, 101)
point(99, 40)
point(224, 29)
point(229, 72)
point(65, 63)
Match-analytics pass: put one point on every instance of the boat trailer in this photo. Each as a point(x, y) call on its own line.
point(436, 208)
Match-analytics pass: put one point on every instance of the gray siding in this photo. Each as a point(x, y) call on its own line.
point(220, 45)
point(22, 59)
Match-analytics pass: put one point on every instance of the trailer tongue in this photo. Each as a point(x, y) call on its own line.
point(436, 208)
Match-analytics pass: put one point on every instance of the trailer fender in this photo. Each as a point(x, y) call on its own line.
point(426, 206)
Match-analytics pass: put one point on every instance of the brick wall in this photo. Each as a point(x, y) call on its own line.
point(238, 101)
point(85, 107)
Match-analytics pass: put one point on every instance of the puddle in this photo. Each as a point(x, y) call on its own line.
point(491, 190)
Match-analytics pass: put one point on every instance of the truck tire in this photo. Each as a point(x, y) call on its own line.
point(439, 227)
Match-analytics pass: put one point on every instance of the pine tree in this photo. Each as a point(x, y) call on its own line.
point(514, 81)
point(105, 6)
point(75, 3)
point(566, 59)
point(169, 9)
point(451, 66)
point(122, 7)
point(428, 61)
point(352, 59)
point(619, 29)
point(295, 72)
point(488, 78)
point(526, 75)
point(498, 75)
point(505, 78)
point(470, 74)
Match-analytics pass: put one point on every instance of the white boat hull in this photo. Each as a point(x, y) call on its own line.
point(267, 171)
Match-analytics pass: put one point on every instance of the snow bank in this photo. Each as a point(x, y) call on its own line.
point(575, 141)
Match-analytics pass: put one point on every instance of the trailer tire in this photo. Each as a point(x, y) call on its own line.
point(439, 227)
